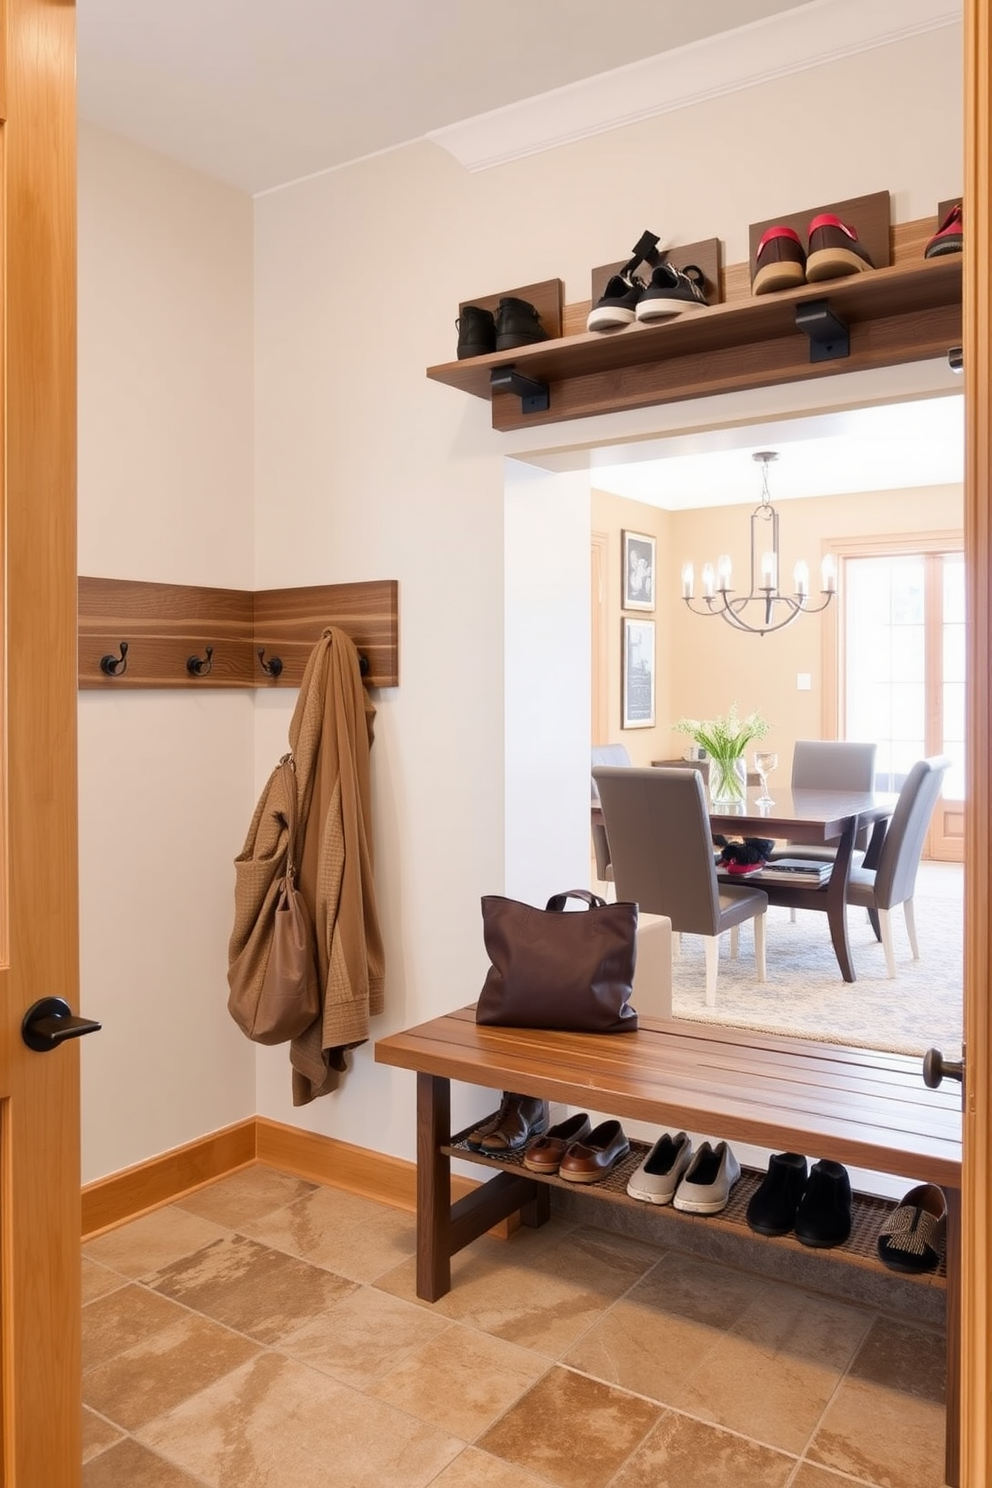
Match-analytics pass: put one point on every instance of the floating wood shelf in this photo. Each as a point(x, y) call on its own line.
point(910, 311)
point(163, 627)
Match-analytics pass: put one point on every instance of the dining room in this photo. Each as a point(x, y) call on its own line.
point(879, 491)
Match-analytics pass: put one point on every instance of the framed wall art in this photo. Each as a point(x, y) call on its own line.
point(638, 674)
point(638, 571)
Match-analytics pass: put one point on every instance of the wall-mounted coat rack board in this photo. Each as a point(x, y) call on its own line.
point(135, 634)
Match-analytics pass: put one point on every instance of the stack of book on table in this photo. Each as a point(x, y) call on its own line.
point(802, 871)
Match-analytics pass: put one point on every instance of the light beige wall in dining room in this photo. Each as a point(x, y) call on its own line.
point(713, 666)
point(611, 516)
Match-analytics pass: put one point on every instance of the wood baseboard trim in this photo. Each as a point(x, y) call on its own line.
point(134, 1191)
point(357, 1170)
point(126, 1195)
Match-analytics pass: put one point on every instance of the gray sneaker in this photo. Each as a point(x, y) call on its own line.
point(656, 1180)
point(706, 1185)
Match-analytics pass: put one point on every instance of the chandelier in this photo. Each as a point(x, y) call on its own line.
point(763, 608)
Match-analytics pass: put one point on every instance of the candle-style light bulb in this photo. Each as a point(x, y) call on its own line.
point(723, 572)
point(801, 576)
point(769, 571)
point(688, 579)
point(709, 581)
point(828, 571)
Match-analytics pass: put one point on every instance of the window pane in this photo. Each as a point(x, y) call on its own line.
point(908, 653)
point(953, 590)
point(889, 695)
point(954, 701)
point(954, 653)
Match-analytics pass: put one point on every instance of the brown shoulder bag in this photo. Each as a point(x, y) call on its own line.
point(275, 992)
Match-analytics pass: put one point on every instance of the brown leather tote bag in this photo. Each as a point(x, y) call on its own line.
point(274, 989)
point(556, 969)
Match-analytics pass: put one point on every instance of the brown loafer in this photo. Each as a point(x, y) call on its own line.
point(588, 1161)
point(519, 1118)
point(545, 1155)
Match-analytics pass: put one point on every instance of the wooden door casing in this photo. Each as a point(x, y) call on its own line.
point(976, 1299)
point(39, 1093)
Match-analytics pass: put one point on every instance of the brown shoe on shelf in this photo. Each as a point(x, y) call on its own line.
point(949, 237)
point(519, 1118)
point(833, 250)
point(590, 1160)
point(544, 1155)
point(780, 262)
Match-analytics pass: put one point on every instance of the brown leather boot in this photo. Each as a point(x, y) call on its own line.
point(519, 1118)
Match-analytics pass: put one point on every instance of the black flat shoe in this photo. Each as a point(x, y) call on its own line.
point(775, 1204)
point(824, 1216)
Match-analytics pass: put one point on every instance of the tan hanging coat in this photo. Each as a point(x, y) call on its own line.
point(330, 735)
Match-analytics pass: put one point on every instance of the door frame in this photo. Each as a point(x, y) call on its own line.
point(976, 1238)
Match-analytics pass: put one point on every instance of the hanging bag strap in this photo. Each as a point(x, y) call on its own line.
point(292, 813)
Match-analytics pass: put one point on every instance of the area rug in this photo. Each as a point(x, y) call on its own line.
point(805, 994)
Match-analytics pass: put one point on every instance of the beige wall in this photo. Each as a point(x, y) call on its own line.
point(165, 778)
point(275, 385)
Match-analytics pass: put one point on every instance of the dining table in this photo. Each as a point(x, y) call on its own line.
point(815, 818)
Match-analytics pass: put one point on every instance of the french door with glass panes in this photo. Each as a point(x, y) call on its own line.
point(904, 672)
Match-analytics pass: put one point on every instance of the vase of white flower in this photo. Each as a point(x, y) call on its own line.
point(725, 740)
point(728, 781)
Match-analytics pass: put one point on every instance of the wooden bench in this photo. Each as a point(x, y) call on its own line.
point(861, 1108)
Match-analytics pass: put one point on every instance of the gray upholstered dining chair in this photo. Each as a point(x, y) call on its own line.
point(604, 754)
point(893, 881)
point(829, 764)
point(662, 857)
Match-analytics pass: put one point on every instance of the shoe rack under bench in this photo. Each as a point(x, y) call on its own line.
point(868, 1213)
point(909, 311)
point(855, 1106)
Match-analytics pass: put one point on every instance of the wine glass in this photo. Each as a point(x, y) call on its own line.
point(764, 763)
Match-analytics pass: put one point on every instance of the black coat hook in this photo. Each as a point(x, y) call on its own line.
point(199, 666)
point(273, 666)
point(115, 666)
point(364, 665)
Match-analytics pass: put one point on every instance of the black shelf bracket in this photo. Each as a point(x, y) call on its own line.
point(828, 336)
point(535, 397)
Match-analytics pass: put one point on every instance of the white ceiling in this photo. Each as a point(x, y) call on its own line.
point(258, 95)
point(887, 448)
point(262, 92)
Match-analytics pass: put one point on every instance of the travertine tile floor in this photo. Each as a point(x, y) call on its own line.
point(265, 1333)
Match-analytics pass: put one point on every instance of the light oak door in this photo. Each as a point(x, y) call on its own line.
point(39, 1092)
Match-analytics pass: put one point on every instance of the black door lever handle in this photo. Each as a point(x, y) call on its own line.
point(50, 1021)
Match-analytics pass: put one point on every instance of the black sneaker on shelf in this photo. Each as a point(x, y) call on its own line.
point(617, 304)
point(476, 332)
point(517, 324)
point(949, 237)
point(671, 292)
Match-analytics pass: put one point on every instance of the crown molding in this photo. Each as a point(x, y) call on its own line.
point(821, 32)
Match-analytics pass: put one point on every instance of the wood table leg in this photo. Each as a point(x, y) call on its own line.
point(433, 1187)
point(952, 1242)
point(837, 901)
